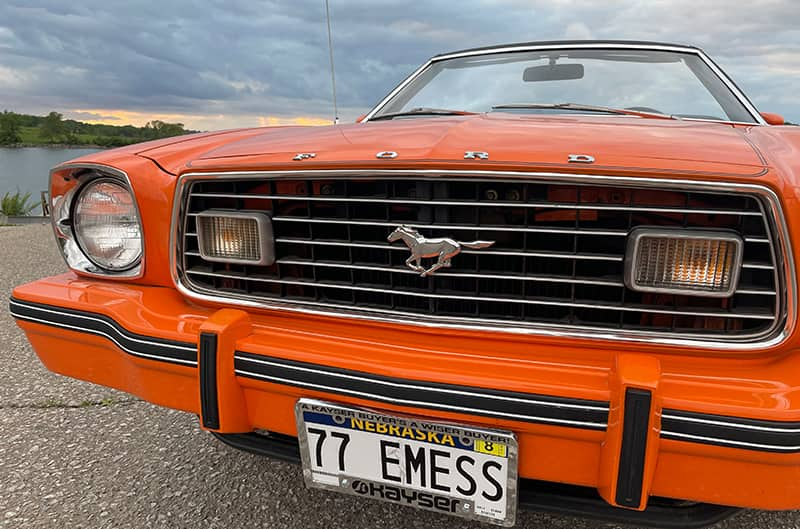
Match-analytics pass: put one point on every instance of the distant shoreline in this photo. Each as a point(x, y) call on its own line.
point(52, 146)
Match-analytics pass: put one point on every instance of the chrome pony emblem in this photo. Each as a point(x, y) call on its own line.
point(442, 249)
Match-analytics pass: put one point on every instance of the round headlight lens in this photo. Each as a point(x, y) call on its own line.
point(106, 225)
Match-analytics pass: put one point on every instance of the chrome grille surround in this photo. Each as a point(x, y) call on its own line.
point(776, 237)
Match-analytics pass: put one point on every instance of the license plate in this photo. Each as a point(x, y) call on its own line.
point(454, 469)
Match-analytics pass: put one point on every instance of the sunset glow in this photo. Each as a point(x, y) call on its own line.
point(191, 121)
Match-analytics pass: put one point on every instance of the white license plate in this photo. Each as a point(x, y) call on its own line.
point(459, 470)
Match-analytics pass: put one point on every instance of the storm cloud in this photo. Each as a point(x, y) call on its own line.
point(235, 62)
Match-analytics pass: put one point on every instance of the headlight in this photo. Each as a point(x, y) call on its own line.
point(676, 261)
point(106, 225)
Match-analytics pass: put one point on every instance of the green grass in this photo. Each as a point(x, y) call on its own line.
point(17, 204)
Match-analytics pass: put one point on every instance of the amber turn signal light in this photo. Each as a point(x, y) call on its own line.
point(676, 261)
point(235, 237)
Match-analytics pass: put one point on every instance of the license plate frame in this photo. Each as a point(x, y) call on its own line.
point(355, 474)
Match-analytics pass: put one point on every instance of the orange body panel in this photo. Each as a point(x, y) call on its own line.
point(759, 384)
point(764, 386)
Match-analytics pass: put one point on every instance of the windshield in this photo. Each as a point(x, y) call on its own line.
point(535, 82)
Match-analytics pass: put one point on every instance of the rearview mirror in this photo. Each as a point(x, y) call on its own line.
point(553, 72)
point(773, 119)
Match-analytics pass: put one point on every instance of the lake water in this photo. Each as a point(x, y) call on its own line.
point(28, 169)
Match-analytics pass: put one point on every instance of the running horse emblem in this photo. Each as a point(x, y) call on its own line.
point(442, 249)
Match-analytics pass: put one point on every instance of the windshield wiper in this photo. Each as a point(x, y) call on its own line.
point(579, 107)
point(424, 111)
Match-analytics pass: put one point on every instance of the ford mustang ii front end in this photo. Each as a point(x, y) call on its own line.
point(482, 296)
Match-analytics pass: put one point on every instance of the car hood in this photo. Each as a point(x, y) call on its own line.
point(617, 143)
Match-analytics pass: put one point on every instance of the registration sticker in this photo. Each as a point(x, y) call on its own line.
point(490, 447)
point(448, 468)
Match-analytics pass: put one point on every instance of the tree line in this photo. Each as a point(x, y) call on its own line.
point(53, 129)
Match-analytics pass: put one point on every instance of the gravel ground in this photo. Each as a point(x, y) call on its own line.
point(77, 455)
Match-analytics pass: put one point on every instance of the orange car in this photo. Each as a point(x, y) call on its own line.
point(551, 275)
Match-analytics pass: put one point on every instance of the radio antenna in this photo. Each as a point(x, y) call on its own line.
point(333, 76)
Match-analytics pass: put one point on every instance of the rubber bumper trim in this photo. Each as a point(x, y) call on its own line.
point(635, 426)
point(138, 345)
point(524, 407)
point(209, 394)
point(733, 432)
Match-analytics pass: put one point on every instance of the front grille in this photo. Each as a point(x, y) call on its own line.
point(557, 259)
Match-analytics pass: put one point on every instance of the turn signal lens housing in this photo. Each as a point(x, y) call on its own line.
point(236, 237)
point(676, 261)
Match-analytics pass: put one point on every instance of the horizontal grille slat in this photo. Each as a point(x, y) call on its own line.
point(395, 270)
point(549, 255)
point(758, 266)
point(556, 259)
point(546, 205)
point(455, 227)
point(556, 302)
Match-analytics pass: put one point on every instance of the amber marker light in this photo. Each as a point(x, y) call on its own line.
point(236, 237)
point(678, 261)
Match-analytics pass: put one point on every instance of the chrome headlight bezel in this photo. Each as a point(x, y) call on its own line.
point(85, 241)
point(67, 182)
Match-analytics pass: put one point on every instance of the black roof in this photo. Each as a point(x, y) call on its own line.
point(642, 43)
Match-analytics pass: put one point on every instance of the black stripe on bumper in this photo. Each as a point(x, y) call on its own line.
point(733, 432)
point(692, 427)
point(138, 345)
point(525, 407)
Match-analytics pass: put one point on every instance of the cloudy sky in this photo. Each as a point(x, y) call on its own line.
point(218, 64)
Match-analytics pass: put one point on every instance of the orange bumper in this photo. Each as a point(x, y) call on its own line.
point(714, 430)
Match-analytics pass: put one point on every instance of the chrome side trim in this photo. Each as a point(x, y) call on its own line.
point(485, 402)
point(745, 433)
point(740, 96)
point(727, 442)
point(435, 389)
point(779, 235)
point(732, 424)
point(116, 334)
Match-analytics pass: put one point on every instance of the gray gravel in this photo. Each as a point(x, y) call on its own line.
point(77, 455)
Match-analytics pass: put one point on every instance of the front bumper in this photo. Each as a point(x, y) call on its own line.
point(632, 425)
